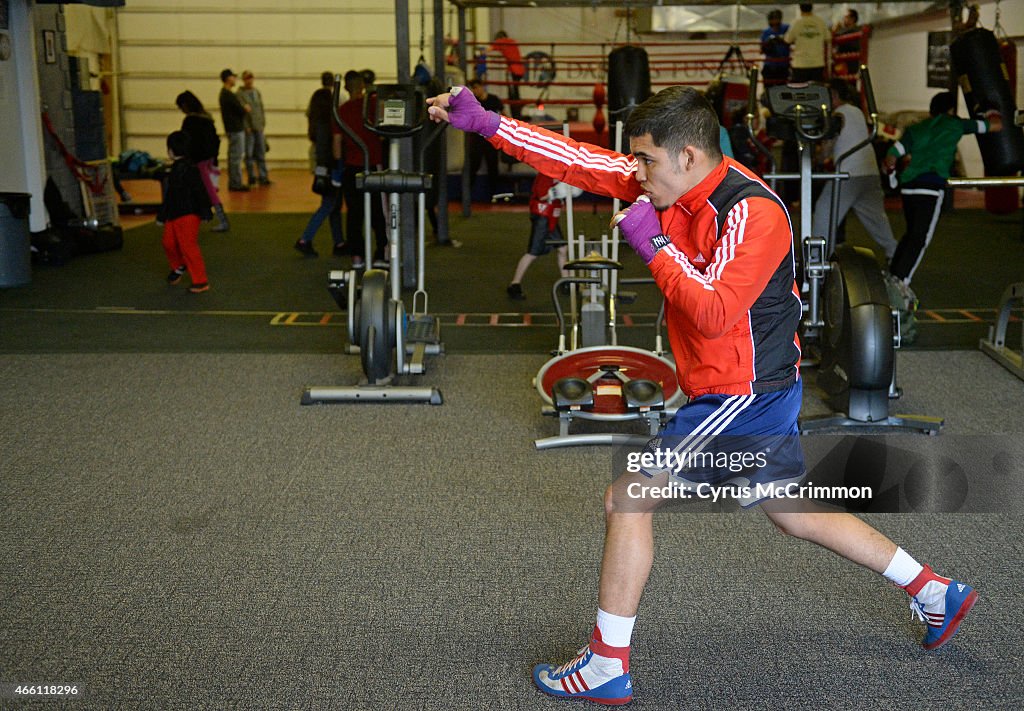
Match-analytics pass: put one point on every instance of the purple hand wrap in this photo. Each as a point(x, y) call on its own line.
point(639, 225)
point(466, 114)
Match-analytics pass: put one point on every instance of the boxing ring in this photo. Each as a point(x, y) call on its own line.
point(574, 76)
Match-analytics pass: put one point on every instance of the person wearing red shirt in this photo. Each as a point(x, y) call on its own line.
point(719, 244)
point(351, 112)
point(509, 49)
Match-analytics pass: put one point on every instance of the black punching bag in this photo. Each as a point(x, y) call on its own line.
point(984, 80)
point(629, 81)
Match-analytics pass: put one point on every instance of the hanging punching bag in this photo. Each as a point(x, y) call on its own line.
point(1003, 201)
point(629, 81)
point(984, 80)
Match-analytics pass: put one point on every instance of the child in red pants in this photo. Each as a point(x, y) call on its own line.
point(186, 202)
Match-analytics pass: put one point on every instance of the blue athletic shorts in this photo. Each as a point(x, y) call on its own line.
point(745, 447)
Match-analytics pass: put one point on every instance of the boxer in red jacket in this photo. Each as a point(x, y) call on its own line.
point(720, 246)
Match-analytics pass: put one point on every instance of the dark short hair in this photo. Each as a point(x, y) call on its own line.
point(369, 76)
point(189, 103)
point(475, 82)
point(178, 143)
point(843, 89)
point(942, 102)
point(677, 117)
point(327, 79)
point(352, 76)
point(774, 15)
point(853, 13)
point(806, 7)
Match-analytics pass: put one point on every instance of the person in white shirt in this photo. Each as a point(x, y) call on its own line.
point(862, 192)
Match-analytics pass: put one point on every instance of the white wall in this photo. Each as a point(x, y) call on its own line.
point(898, 57)
point(21, 36)
point(22, 167)
point(167, 48)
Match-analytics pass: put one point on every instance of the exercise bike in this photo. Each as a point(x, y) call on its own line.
point(604, 382)
point(848, 318)
point(590, 376)
point(388, 340)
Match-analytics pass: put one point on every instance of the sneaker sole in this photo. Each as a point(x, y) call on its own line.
point(592, 699)
point(954, 624)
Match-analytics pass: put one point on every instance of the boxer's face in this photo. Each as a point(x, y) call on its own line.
point(663, 176)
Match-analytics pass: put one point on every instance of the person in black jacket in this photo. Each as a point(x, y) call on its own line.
point(232, 112)
point(185, 204)
point(480, 151)
point(204, 145)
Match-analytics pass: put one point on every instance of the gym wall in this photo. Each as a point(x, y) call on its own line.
point(167, 48)
point(903, 45)
point(164, 50)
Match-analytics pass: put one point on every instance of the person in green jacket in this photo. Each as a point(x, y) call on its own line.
point(927, 150)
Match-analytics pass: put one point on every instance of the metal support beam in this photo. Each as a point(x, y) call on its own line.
point(467, 179)
point(408, 201)
point(442, 164)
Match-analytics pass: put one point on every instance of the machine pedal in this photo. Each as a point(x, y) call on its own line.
point(573, 394)
point(423, 328)
point(643, 395)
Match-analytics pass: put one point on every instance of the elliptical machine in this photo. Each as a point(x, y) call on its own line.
point(388, 340)
point(848, 319)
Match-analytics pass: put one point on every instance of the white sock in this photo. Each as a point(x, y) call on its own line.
point(902, 569)
point(615, 630)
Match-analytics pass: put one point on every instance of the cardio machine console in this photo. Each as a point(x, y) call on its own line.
point(397, 110)
point(808, 105)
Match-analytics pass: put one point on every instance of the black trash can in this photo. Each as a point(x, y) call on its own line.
point(15, 240)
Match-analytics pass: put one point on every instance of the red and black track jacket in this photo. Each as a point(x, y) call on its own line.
point(733, 306)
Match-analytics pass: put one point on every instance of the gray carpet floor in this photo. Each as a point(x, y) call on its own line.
point(177, 532)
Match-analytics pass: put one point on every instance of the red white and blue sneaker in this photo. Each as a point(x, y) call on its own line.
point(940, 603)
point(598, 672)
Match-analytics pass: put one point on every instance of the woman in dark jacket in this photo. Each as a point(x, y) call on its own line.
point(204, 146)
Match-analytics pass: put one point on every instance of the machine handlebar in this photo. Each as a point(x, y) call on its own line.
point(335, 102)
point(869, 93)
point(826, 115)
point(752, 98)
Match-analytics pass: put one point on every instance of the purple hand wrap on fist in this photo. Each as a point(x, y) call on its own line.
point(640, 226)
point(466, 114)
